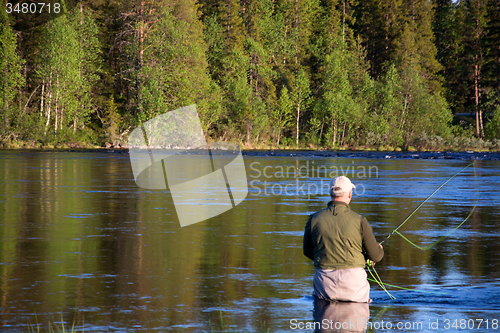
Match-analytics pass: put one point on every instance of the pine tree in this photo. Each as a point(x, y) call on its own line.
point(474, 32)
point(112, 120)
point(380, 23)
point(230, 16)
point(493, 44)
point(216, 49)
point(491, 68)
point(415, 49)
point(10, 77)
point(174, 69)
point(206, 93)
point(229, 64)
point(138, 20)
point(449, 44)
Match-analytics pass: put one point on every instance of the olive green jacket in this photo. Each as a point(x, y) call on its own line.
point(338, 238)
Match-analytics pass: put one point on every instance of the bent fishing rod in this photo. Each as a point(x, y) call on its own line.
point(426, 199)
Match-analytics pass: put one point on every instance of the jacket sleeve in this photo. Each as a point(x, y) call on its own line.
point(307, 244)
point(370, 245)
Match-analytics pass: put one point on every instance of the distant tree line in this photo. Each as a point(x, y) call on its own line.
point(277, 72)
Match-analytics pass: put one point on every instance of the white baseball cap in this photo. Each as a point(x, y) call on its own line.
point(342, 184)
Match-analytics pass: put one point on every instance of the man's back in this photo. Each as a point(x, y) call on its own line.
point(335, 234)
point(338, 241)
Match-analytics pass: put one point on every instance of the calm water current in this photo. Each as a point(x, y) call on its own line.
point(81, 242)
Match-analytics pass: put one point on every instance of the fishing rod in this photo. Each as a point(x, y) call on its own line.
point(369, 264)
point(423, 202)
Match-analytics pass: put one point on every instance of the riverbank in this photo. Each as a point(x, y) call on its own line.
point(425, 144)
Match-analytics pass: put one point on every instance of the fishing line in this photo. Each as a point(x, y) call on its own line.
point(440, 239)
point(377, 278)
point(408, 289)
point(427, 199)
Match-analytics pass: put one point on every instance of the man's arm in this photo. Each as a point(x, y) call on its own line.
point(307, 244)
point(374, 250)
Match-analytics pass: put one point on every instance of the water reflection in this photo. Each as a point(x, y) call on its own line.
point(79, 239)
point(340, 316)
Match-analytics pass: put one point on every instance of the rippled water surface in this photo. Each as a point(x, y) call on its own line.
point(80, 242)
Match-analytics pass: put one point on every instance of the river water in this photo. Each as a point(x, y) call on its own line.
point(82, 243)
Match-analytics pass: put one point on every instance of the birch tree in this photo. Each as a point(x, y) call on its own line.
point(300, 100)
point(67, 71)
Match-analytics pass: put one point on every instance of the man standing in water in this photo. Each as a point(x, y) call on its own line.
point(339, 241)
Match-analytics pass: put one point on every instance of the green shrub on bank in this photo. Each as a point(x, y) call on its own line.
point(467, 143)
point(456, 143)
point(429, 142)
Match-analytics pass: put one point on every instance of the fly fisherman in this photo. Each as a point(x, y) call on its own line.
point(339, 241)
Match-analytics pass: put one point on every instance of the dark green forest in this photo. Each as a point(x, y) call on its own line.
point(383, 74)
